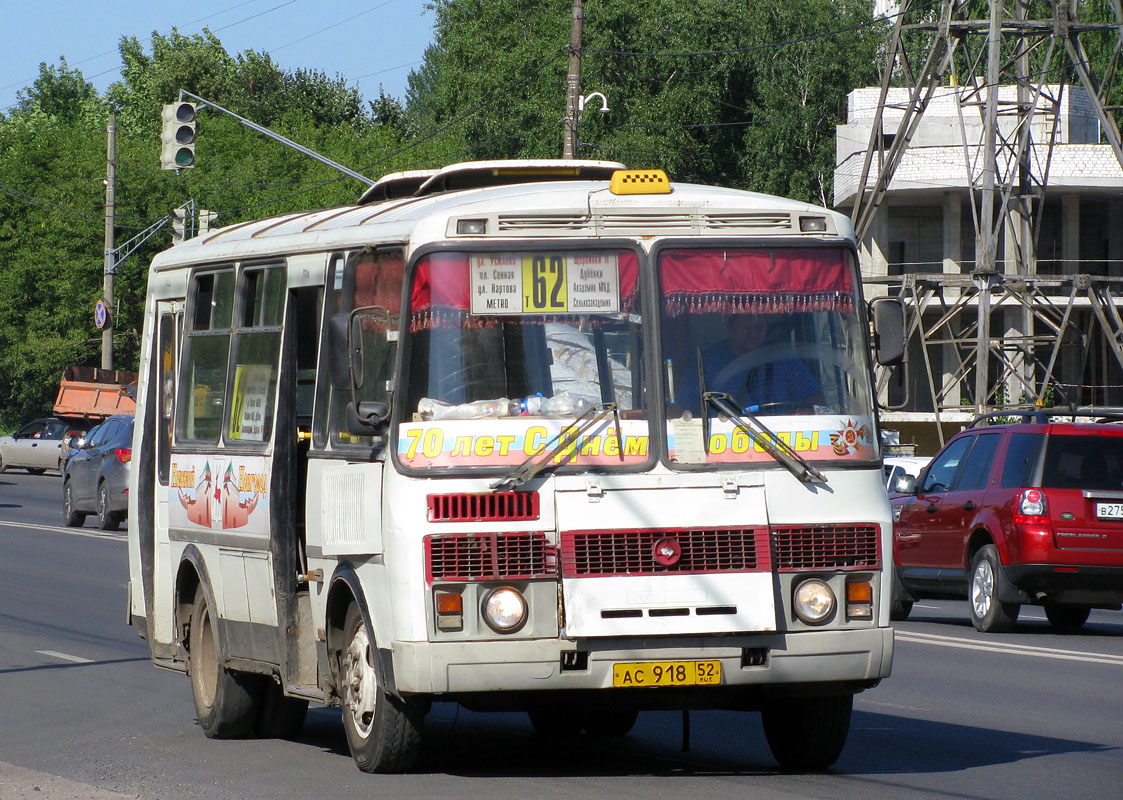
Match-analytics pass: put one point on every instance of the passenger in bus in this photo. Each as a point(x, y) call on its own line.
point(740, 366)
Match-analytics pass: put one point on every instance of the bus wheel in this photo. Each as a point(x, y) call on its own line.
point(610, 720)
point(280, 717)
point(554, 722)
point(225, 702)
point(383, 732)
point(807, 733)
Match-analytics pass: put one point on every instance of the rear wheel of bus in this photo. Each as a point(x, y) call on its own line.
point(226, 702)
point(383, 731)
point(807, 733)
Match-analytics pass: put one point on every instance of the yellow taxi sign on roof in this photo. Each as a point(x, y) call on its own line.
point(640, 181)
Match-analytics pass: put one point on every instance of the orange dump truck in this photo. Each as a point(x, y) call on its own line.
point(87, 395)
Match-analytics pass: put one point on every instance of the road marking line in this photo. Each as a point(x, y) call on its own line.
point(118, 536)
point(1008, 648)
point(65, 657)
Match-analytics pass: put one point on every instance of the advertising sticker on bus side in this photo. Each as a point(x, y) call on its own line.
point(545, 283)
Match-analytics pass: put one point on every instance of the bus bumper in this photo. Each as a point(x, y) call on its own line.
point(859, 657)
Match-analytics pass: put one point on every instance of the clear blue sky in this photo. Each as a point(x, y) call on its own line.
point(368, 42)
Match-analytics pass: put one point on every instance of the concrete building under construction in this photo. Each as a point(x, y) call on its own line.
point(1052, 325)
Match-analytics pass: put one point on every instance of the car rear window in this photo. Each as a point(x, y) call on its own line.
point(1083, 462)
point(1020, 460)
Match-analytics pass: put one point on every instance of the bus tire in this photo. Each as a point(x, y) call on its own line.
point(383, 731)
point(226, 702)
point(806, 734)
point(280, 717)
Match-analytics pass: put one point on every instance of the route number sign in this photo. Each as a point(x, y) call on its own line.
point(545, 283)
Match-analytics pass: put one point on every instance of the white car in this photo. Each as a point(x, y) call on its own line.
point(36, 447)
point(897, 467)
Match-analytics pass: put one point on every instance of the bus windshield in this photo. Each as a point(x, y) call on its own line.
point(775, 333)
point(535, 338)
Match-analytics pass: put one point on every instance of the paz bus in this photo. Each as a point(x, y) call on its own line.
point(457, 443)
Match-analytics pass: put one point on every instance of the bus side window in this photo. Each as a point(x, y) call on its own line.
point(206, 346)
point(256, 347)
point(166, 389)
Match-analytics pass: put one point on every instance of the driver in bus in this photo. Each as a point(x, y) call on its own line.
point(739, 366)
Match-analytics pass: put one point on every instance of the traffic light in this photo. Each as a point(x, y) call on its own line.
point(179, 218)
point(177, 150)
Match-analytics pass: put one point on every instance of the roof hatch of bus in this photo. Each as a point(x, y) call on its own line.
point(478, 174)
point(395, 185)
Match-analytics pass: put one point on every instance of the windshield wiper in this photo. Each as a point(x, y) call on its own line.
point(538, 462)
point(774, 445)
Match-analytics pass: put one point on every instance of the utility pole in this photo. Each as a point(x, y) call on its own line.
point(573, 84)
point(110, 255)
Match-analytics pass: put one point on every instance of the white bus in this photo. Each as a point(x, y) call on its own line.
point(467, 441)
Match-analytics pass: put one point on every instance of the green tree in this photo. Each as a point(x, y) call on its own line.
point(735, 92)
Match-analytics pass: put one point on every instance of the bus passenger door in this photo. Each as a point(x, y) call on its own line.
point(168, 314)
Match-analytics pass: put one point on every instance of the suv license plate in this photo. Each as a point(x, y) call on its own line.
point(1109, 510)
point(666, 673)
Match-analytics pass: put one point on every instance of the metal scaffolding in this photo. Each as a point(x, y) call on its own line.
point(977, 48)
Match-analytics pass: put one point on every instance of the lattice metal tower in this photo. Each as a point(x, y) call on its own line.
point(978, 48)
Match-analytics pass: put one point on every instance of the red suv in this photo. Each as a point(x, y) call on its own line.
point(1007, 514)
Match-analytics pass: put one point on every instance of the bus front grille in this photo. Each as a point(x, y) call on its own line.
point(586, 554)
point(826, 547)
point(483, 506)
point(489, 556)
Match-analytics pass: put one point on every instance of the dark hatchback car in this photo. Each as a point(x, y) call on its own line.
point(95, 479)
point(1016, 513)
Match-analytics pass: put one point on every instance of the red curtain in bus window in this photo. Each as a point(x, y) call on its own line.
point(378, 280)
point(440, 294)
point(760, 281)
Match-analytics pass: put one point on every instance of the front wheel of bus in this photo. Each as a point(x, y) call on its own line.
point(225, 702)
point(807, 733)
point(383, 732)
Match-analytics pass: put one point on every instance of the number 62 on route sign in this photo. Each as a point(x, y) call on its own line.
point(545, 283)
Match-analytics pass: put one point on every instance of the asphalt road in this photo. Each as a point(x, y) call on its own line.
point(84, 714)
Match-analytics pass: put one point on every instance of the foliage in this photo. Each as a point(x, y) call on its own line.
point(52, 190)
point(736, 92)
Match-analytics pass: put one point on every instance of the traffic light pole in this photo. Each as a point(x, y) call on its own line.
point(277, 137)
point(110, 254)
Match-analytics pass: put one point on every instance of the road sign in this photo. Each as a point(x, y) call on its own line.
point(101, 314)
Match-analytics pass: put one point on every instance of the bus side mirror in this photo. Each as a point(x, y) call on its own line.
point(367, 417)
point(889, 330)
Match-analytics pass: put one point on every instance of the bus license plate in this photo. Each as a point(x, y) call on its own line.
point(666, 673)
point(1109, 510)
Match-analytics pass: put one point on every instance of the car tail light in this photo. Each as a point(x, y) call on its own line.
point(124, 454)
point(1032, 508)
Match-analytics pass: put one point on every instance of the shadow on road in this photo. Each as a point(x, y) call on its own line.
point(722, 743)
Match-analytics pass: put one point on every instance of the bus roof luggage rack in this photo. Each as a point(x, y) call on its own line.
point(478, 174)
point(1104, 414)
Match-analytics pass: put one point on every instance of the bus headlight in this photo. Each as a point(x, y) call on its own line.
point(813, 601)
point(504, 609)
